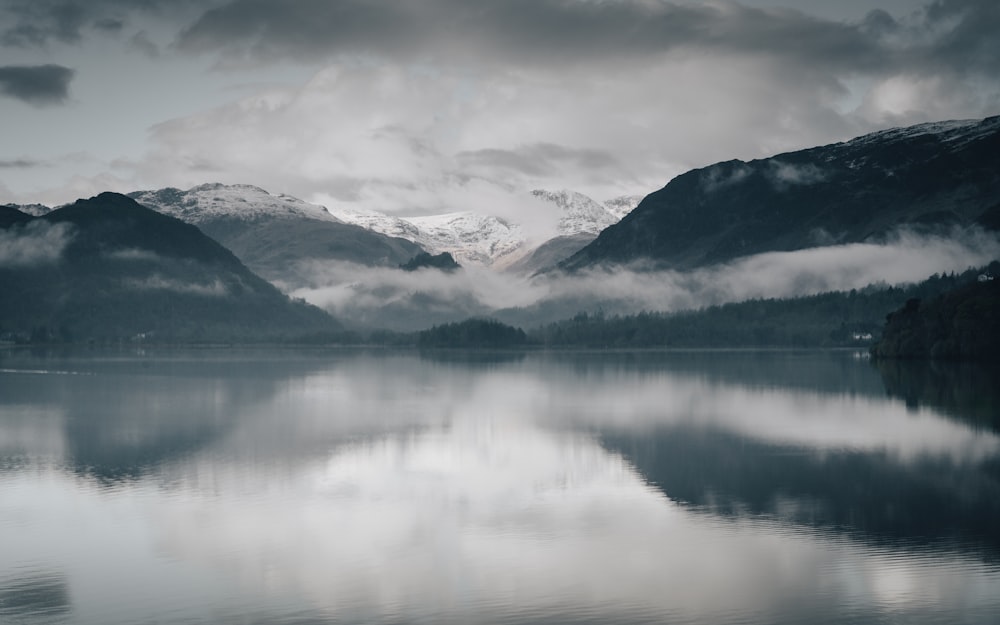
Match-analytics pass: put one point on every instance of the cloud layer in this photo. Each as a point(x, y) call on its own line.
point(958, 33)
point(380, 297)
point(435, 106)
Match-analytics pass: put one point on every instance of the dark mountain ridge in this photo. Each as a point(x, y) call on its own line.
point(108, 268)
point(929, 177)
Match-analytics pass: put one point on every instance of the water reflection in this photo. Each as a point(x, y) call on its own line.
point(380, 487)
point(38, 595)
point(965, 391)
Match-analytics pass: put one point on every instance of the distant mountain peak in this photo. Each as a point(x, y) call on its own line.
point(213, 201)
point(490, 240)
point(35, 210)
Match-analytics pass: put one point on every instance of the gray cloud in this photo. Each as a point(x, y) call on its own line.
point(538, 159)
point(20, 163)
point(140, 42)
point(968, 39)
point(957, 33)
point(109, 25)
point(38, 85)
point(37, 23)
point(532, 30)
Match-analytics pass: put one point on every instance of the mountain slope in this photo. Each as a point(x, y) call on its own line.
point(277, 236)
point(929, 176)
point(108, 268)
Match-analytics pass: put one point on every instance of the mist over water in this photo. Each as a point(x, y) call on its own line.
point(382, 297)
point(346, 487)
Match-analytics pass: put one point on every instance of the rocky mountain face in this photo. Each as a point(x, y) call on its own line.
point(277, 236)
point(929, 177)
point(108, 268)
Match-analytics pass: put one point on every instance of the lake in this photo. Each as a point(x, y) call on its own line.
point(308, 487)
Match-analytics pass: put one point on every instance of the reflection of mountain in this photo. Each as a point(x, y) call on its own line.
point(873, 494)
point(828, 372)
point(44, 597)
point(124, 417)
point(965, 391)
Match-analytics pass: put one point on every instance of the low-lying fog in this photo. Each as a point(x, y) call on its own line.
point(389, 298)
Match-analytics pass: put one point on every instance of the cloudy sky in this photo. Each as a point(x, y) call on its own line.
point(428, 106)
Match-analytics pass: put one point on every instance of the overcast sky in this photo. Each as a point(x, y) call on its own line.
point(428, 106)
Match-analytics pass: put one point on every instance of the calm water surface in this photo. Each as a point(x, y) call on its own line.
point(349, 487)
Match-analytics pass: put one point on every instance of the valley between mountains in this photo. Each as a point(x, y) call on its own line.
point(737, 253)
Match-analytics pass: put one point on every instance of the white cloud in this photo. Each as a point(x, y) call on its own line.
point(36, 243)
point(157, 282)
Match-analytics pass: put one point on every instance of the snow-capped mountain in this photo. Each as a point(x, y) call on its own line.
point(579, 213)
point(35, 210)
point(953, 134)
point(247, 219)
point(482, 239)
point(214, 201)
point(469, 237)
point(280, 237)
point(622, 205)
point(493, 241)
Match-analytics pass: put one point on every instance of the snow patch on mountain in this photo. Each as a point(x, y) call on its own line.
point(579, 213)
point(214, 201)
point(490, 240)
point(954, 134)
point(35, 210)
point(482, 239)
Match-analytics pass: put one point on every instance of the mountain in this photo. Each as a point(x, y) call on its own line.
point(277, 236)
point(622, 205)
point(579, 214)
point(497, 242)
point(927, 177)
point(548, 255)
point(442, 262)
point(471, 238)
point(581, 221)
point(35, 210)
point(108, 268)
